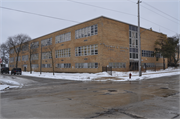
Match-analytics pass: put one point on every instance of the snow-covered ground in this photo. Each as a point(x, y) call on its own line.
point(104, 76)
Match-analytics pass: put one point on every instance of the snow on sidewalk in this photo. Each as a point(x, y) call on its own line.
point(104, 76)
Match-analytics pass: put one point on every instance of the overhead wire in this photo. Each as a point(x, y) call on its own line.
point(119, 12)
point(39, 14)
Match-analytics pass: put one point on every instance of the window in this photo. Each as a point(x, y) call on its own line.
point(86, 50)
point(25, 47)
point(34, 57)
point(86, 65)
point(46, 65)
point(64, 65)
point(63, 37)
point(63, 53)
point(158, 55)
point(25, 58)
point(34, 66)
point(46, 55)
point(11, 59)
point(19, 58)
point(46, 42)
point(34, 45)
point(117, 65)
point(11, 51)
point(87, 31)
point(11, 65)
point(146, 53)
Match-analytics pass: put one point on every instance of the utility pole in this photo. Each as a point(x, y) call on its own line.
point(139, 40)
point(41, 60)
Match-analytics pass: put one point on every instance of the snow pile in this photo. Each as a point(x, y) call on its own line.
point(104, 76)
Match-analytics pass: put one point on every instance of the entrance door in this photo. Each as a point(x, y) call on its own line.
point(133, 66)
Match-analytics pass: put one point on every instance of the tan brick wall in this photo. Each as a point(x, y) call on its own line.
point(113, 46)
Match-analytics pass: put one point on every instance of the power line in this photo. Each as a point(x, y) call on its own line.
point(161, 11)
point(153, 11)
point(101, 7)
point(38, 14)
point(119, 12)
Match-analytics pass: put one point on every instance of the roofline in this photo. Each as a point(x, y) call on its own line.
point(95, 19)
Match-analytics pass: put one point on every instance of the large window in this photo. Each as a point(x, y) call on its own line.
point(63, 53)
point(158, 55)
point(87, 31)
point(25, 47)
point(34, 45)
point(46, 65)
point(63, 65)
point(63, 37)
point(46, 42)
point(146, 53)
point(86, 65)
point(148, 65)
point(19, 58)
point(11, 59)
point(133, 42)
point(25, 58)
point(86, 50)
point(11, 51)
point(46, 55)
point(117, 65)
point(34, 56)
point(34, 66)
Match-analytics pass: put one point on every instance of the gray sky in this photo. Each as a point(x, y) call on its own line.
point(13, 22)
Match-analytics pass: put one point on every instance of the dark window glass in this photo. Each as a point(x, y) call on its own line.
point(130, 41)
point(129, 33)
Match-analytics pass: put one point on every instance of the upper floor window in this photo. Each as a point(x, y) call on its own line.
point(34, 57)
point(25, 58)
point(11, 51)
point(146, 53)
point(87, 31)
point(63, 53)
point(86, 50)
point(46, 55)
point(11, 59)
point(25, 47)
point(34, 45)
point(19, 58)
point(46, 42)
point(63, 37)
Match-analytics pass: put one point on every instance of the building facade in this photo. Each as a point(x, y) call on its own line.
point(88, 46)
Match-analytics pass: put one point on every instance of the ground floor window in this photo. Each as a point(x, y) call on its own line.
point(117, 65)
point(63, 65)
point(11, 65)
point(86, 65)
point(148, 65)
point(46, 65)
point(34, 65)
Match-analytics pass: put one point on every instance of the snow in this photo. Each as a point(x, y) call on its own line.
point(4, 86)
point(104, 76)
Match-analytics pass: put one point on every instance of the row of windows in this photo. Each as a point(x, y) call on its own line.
point(63, 37)
point(46, 42)
point(148, 65)
point(86, 50)
point(117, 65)
point(63, 53)
point(87, 31)
point(46, 65)
point(146, 53)
point(25, 58)
point(86, 65)
point(63, 65)
point(46, 55)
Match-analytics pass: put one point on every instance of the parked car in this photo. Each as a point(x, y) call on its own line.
point(5, 70)
point(16, 71)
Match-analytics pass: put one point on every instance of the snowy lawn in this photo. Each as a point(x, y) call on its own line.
point(104, 76)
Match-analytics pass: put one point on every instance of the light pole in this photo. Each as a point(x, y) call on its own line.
point(139, 40)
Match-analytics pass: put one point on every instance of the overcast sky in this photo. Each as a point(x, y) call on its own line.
point(13, 22)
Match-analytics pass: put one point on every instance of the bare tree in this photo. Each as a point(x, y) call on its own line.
point(16, 42)
point(32, 49)
point(51, 49)
point(4, 50)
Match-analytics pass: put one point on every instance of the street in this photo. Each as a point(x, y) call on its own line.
point(51, 98)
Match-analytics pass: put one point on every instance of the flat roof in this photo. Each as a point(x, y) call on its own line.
point(95, 19)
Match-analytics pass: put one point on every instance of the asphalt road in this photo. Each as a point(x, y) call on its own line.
point(51, 98)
